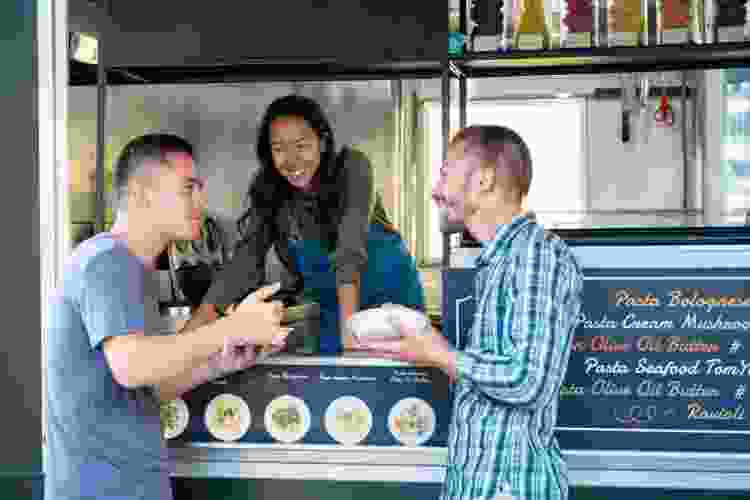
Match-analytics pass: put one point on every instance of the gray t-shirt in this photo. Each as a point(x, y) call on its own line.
point(104, 440)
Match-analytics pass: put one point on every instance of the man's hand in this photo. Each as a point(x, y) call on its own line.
point(422, 346)
point(232, 358)
point(257, 322)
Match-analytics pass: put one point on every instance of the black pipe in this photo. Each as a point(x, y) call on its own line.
point(463, 24)
point(683, 112)
point(101, 110)
point(462, 102)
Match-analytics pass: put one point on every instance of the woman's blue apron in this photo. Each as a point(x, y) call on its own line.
point(391, 277)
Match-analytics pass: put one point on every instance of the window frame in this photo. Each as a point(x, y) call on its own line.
point(433, 150)
point(54, 176)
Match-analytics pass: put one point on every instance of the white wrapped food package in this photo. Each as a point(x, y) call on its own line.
point(382, 322)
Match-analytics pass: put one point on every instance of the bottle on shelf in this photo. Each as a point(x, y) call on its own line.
point(456, 39)
point(673, 22)
point(531, 28)
point(697, 21)
point(625, 23)
point(553, 10)
point(728, 24)
point(505, 21)
point(600, 37)
point(577, 28)
point(486, 32)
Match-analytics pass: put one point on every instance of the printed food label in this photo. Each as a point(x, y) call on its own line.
point(578, 40)
point(530, 42)
point(623, 39)
point(486, 43)
point(675, 36)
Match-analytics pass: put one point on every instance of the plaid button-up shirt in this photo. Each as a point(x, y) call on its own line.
point(510, 367)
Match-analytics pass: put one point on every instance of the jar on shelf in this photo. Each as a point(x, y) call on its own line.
point(577, 23)
point(625, 23)
point(673, 23)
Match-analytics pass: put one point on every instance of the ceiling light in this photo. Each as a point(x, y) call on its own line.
point(83, 48)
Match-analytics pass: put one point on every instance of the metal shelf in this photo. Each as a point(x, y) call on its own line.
point(261, 70)
point(476, 65)
point(603, 60)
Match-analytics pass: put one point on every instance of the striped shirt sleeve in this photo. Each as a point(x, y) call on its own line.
point(514, 371)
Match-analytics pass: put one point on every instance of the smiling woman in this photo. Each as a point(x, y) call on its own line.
point(319, 208)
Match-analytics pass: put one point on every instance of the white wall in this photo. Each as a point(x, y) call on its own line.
point(645, 173)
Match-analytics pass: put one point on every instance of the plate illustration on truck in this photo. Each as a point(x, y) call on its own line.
point(227, 417)
point(348, 420)
point(287, 419)
point(174, 416)
point(412, 421)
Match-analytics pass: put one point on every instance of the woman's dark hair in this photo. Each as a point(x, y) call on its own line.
point(269, 189)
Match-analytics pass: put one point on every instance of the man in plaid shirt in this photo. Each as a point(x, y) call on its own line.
point(508, 368)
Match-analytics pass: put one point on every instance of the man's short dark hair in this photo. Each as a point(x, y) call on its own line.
point(144, 149)
point(491, 141)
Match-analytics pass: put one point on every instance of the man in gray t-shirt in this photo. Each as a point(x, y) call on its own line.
point(104, 438)
point(106, 369)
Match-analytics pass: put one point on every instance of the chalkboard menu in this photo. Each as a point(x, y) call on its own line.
point(660, 360)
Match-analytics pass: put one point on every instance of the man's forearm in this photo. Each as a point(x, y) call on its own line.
point(140, 360)
point(193, 377)
point(177, 386)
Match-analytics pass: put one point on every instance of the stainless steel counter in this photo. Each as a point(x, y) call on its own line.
point(427, 465)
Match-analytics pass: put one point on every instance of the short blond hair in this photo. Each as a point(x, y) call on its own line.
point(493, 142)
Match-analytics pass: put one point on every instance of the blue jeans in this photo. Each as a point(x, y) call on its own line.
point(390, 277)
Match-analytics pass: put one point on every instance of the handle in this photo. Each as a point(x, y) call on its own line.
point(625, 125)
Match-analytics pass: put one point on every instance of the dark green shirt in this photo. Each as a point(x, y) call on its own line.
point(361, 204)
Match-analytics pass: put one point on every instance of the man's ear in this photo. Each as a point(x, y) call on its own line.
point(487, 178)
point(141, 192)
